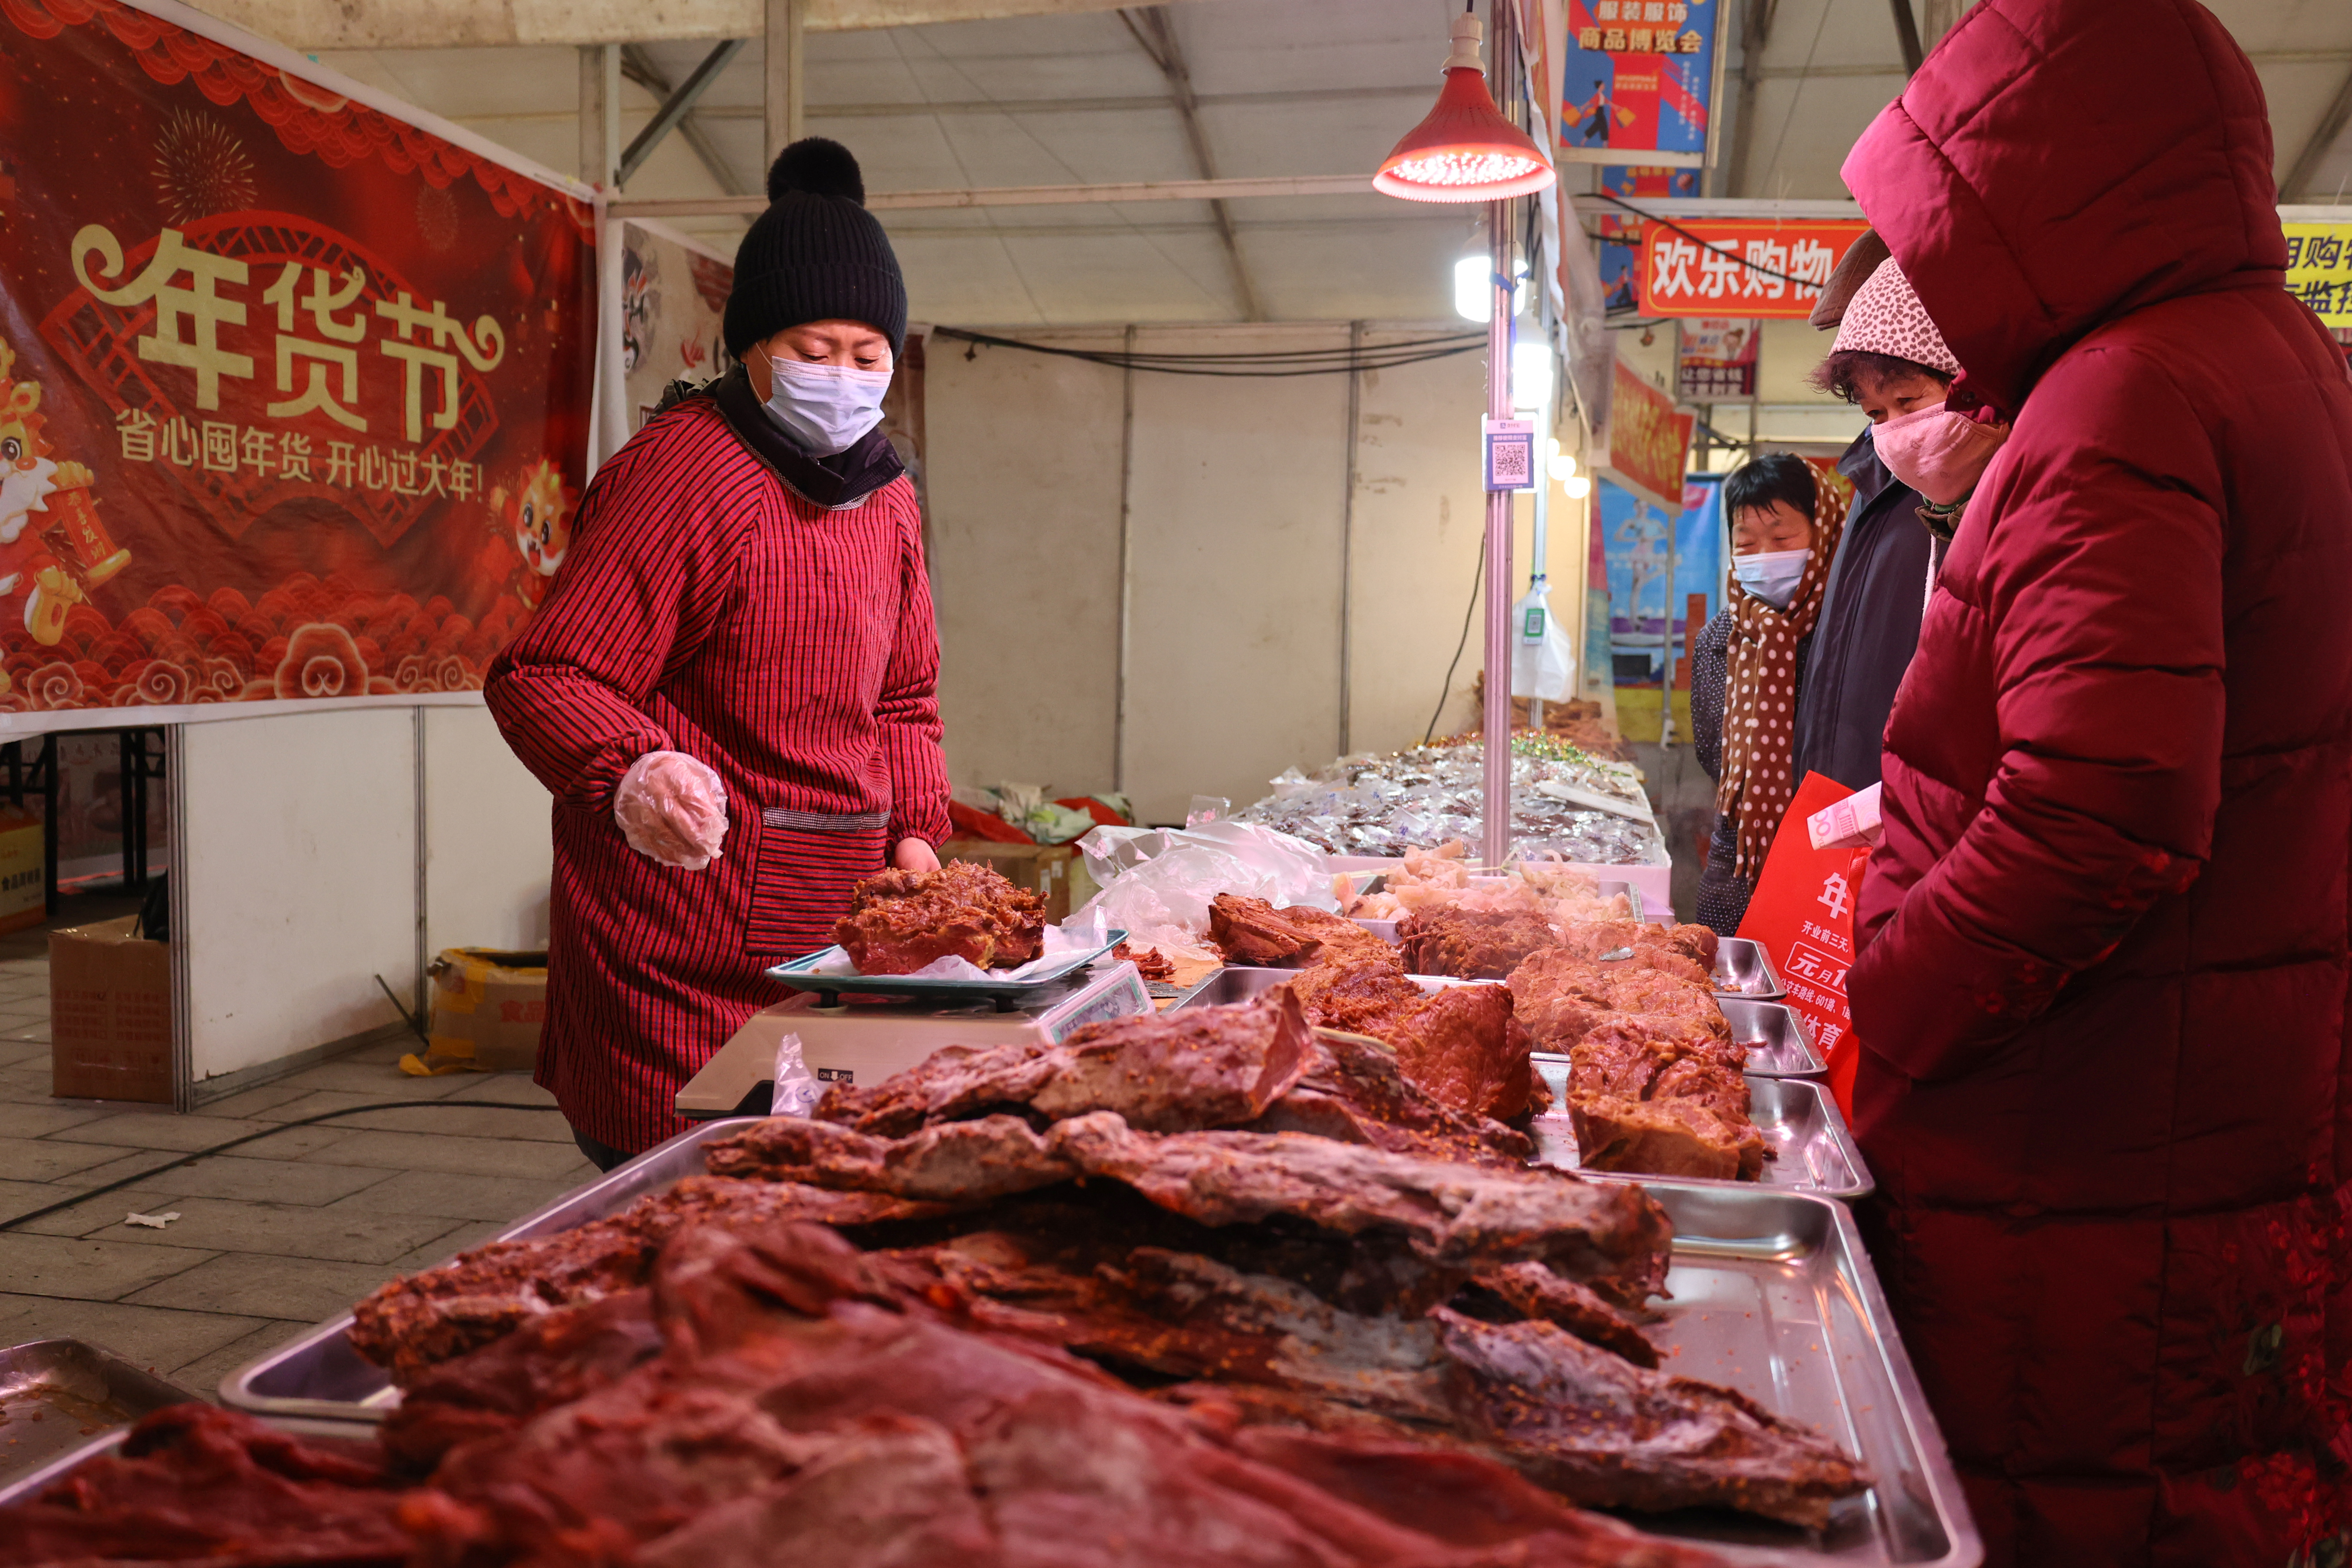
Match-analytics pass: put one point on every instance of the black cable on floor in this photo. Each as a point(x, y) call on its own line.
point(238, 1143)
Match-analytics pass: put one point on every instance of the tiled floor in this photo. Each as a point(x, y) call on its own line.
point(285, 1231)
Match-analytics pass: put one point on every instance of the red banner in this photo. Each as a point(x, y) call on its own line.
point(1802, 915)
point(1738, 266)
point(293, 394)
point(1647, 440)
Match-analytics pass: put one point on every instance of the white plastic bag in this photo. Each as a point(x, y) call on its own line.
point(1157, 882)
point(797, 1089)
point(1541, 664)
point(672, 809)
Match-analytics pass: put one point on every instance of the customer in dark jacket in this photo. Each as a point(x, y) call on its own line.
point(1889, 361)
point(1747, 664)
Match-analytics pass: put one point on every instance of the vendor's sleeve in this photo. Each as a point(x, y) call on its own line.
point(651, 565)
point(910, 708)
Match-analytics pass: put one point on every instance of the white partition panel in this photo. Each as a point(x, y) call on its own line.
point(487, 846)
point(298, 857)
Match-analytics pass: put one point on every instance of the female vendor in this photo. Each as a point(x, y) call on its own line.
point(730, 689)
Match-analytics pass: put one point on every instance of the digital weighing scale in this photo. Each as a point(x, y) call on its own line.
point(863, 1042)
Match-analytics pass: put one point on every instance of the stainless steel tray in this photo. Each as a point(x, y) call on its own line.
point(801, 976)
point(25, 1487)
point(55, 1395)
point(1774, 1296)
point(1742, 968)
point(1800, 1124)
point(1778, 1044)
point(319, 1377)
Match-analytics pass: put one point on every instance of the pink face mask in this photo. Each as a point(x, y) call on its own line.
point(1936, 452)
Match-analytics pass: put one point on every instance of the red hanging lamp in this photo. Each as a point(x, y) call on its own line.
point(1464, 150)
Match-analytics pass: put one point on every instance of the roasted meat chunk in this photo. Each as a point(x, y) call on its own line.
point(1472, 944)
point(1462, 1046)
point(901, 921)
point(1253, 933)
point(1669, 1137)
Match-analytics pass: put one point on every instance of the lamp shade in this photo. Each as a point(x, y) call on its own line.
point(1464, 150)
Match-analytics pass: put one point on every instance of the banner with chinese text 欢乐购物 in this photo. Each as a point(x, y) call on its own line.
point(294, 394)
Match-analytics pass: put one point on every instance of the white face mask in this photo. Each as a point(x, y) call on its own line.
point(825, 407)
point(1771, 574)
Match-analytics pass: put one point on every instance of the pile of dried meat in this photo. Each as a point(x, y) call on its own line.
point(1655, 1084)
point(902, 920)
point(1201, 1287)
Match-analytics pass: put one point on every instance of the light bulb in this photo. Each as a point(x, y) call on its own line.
point(1562, 467)
point(1473, 300)
point(1473, 278)
point(1577, 489)
point(1552, 447)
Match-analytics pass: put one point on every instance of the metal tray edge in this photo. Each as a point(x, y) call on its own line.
point(662, 1163)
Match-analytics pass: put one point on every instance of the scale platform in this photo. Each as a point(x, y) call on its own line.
point(863, 1042)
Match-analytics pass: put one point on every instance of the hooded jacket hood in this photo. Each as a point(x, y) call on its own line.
point(2055, 164)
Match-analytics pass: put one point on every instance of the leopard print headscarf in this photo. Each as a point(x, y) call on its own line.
point(1886, 318)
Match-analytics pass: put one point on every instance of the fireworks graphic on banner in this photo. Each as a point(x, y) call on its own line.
point(201, 168)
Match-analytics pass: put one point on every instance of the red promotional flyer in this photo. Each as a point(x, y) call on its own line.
point(301, 412)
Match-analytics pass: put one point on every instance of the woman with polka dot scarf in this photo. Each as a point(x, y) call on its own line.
point(1747, 664)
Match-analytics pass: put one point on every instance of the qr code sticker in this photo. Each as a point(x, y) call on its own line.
point(1512, 461)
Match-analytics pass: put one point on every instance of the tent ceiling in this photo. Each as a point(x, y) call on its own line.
point(1281, 90)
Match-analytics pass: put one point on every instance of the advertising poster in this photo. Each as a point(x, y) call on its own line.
point(1619, 241)
point(297, 393)
point(1636, 81)
point(673, 300)
point(2319, 269)
point(1647, 439)
point(1715, 360)
point(1649, 583)
point(1749, 267)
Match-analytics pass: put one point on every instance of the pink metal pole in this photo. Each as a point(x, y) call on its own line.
point(1496, 809)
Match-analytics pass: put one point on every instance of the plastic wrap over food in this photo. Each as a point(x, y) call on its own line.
point(1564, 805)
point(1156, 881)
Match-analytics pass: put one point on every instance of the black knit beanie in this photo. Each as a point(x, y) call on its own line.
point(815, 255)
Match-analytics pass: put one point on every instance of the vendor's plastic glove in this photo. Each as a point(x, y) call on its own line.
point(672, 809)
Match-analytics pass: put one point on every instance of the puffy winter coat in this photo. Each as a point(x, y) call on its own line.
point(2102, 977)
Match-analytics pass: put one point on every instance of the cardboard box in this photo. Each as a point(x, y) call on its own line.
point(23, 865)
point(110, 1014)
point(488, 1009)
point(1057, 871)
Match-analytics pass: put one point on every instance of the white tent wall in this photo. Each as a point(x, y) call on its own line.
point(304, 868)
point(295, 885)
point(1236, 493)
point(488, 855)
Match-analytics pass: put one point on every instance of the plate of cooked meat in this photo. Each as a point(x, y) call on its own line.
point(960, 932)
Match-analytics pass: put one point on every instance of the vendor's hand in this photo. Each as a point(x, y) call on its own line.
point(672, 809)
point(914, 855)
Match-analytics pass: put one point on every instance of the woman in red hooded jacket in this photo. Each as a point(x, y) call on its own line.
point(2102, 977)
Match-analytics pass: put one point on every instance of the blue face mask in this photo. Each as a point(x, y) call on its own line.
point(825, 407)
point(1771, 574)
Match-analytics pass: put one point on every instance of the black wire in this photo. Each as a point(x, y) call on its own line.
point(1271, 365)
point(1709, 244)
point(1477, 581)
point(238, 1142)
